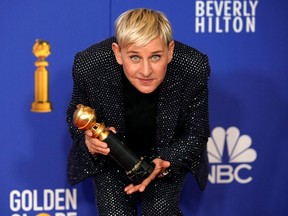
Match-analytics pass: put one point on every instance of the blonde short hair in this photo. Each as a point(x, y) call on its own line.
point(140, 26)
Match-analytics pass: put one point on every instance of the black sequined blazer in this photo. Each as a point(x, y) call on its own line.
point(182, 116)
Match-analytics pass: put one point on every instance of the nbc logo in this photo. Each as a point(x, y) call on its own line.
point(230, 155)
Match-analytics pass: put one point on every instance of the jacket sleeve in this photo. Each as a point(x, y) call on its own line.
point(187, 150)
point(81, 164)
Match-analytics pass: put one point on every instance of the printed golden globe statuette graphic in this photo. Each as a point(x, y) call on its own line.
point(41, 50)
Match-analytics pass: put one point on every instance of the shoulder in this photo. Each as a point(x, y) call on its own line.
point(98, 58)
point(99, 53)
point(99, 47)
point(189, 63)
point(187, 56)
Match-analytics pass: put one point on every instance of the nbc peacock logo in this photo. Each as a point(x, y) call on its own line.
point(230, 156)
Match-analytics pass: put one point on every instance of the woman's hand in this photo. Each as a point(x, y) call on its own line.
point(159, 171)
point(94, 145)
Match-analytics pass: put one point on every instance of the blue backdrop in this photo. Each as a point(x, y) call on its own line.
point(246, 41)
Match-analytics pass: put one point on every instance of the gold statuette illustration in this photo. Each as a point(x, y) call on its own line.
point(41, 50)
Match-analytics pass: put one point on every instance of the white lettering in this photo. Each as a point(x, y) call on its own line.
point(217, 26)
point(219, 8)
point(59, 199)
point(245, 9)
point(66, 214)
point(48, 199)
point(35, 203)
point(71, 199)
point(225, 15)
point(225, 24)
point(200, 24)
point(210, 24)
point(72, 214)
point(251, 24)
point(209, 8)
point(28, 200)
point(253, 6)
point(19, 214)
point(15, 201)
point(224, 174)
point(226, 21)
point(237, 24)
point(199, 8)
point(227, 9)
point(237, 8)
point(212, 175)
point(236, 174)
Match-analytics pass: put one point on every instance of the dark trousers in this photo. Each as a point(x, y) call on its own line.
point(160, 198)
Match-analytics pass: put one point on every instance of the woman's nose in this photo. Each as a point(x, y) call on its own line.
point(146, 68)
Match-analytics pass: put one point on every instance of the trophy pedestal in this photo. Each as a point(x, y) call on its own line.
point(41, 107)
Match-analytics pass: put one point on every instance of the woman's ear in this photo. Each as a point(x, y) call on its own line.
point(117, 53)
point(170, 50)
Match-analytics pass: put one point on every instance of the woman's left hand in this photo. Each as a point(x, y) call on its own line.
point(159, 171)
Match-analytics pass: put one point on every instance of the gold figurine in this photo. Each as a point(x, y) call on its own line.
point(41, 50)
point(85, 119)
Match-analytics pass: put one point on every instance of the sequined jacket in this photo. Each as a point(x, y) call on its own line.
point(182, 116)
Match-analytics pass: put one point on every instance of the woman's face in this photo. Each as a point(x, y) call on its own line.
point(145, 67)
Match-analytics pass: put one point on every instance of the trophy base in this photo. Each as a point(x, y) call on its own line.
point(140, 171)
point(41, 107)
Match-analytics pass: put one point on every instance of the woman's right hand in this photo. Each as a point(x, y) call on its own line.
point(94, 145)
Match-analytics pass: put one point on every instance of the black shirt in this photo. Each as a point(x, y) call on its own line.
point(140, 118)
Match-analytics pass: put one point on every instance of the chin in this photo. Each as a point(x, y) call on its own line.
point(146, 90)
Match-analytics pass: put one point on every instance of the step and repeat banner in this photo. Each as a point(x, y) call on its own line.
point(246, 41)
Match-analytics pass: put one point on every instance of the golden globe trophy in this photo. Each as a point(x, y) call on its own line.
point(137, 169)
point(41, 50)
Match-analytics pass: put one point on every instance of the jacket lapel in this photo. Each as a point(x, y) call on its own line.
point(168, 108)
point(114, 106)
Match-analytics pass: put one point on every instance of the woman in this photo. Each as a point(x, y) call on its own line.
point(154, 92)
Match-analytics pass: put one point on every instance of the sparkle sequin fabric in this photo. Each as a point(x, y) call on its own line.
point(181, 136)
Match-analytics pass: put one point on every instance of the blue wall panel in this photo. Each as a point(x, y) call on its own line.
point(248, 103)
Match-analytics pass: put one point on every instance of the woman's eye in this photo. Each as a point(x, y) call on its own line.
point(155, 57)
point(135, 58)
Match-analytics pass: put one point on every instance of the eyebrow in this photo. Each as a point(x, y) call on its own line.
point(154, 52)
